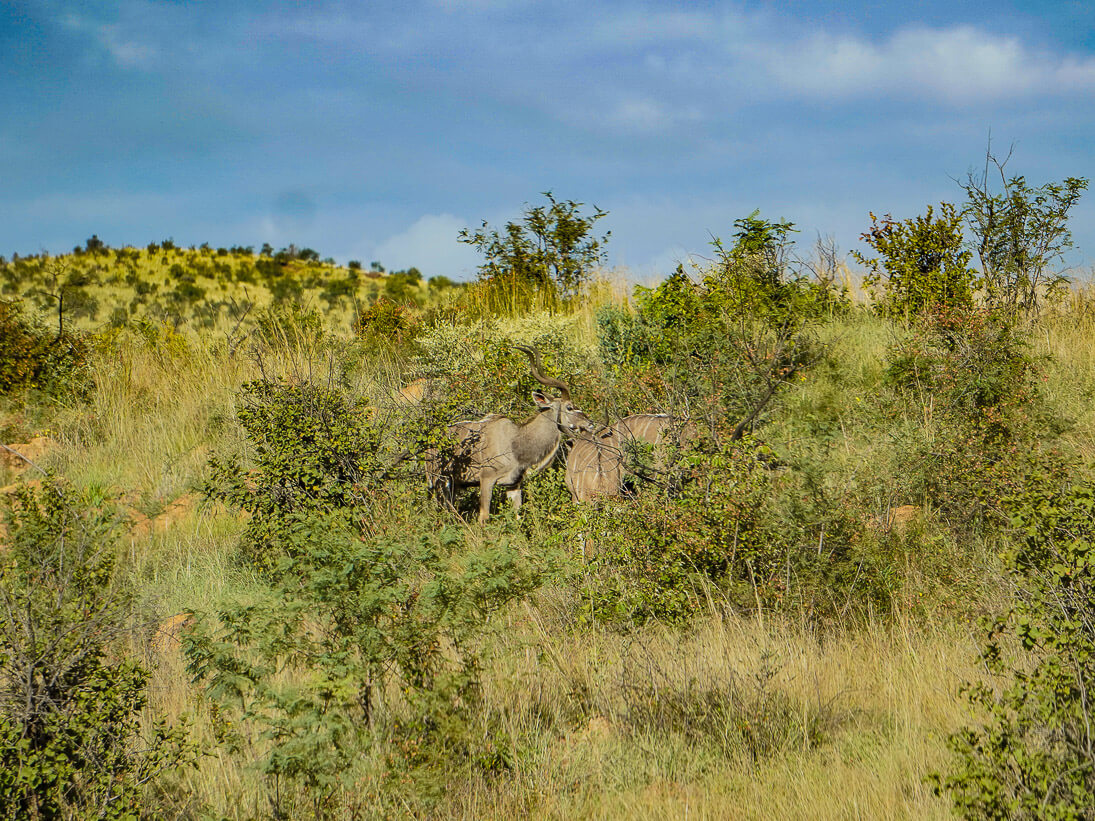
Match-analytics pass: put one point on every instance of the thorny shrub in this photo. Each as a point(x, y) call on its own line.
point(71, 699)
point(1032, 757)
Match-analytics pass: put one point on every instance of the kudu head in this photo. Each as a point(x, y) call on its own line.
point(568, 418)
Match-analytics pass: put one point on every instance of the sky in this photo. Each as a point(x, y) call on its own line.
point(377, 130)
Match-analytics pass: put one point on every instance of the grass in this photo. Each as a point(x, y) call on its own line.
point(864, 720)
point(763, 715)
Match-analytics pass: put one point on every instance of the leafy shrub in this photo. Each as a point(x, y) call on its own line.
point(32, 357)
point(971, 374)
point(1032, 758)
point(721, 347)
point(387, 321)
point(733, 527)
point(286, 288)
point(314, 451)
point(357, 638)
point(922, 263)
point(311, 661)
point(71, 743)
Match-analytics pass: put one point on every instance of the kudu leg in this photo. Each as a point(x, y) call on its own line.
point(486, 490)
point(515, 498)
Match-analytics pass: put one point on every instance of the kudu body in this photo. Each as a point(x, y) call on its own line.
point(496, 450)
point(596, 465)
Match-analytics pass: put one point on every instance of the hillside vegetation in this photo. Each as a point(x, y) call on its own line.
point(203, 287)
point(860, 586)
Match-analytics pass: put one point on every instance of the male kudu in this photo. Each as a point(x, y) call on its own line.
point(496, 450)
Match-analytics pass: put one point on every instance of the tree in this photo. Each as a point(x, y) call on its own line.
point(71, 744)
point(922, 262)
point(1019, 232)
point(551, 247)
point(761, 246)
point(94, 245)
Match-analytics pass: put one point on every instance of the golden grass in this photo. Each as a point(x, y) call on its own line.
point(885, 698)
point(881, 697)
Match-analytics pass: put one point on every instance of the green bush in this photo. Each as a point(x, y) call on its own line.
point(314, 451)
point(33, 357)
point(387, 322)
point(71, 700)
point(1033, 755)
point(721, 523)
point(923, 263)
point(345, 608)
point(970, 377)
point(722, 347)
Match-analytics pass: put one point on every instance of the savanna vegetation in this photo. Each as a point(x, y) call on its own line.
point(860, 586)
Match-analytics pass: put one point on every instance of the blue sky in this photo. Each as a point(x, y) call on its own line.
point(377, 130)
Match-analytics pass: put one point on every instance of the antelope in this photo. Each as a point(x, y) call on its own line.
point(496, 450)
point(595, 465)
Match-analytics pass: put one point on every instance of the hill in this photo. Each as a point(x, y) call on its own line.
point(96, 285)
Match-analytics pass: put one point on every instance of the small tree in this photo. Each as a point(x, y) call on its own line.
point(1019, 232)
point(1033, 755)
point(922, 262)
point(70, 703)
point(761, 247)
point(551, 247)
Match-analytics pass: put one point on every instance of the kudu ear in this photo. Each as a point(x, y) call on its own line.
point(541, 399)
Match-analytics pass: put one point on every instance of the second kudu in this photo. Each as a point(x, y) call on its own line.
point(596, 465)
point(496, 450)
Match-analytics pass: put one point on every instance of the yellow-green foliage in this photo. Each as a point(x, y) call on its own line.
point(814, 673)
point(202, 286)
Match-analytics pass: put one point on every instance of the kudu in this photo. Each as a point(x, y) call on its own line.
point(497, 450)
point(596, 465)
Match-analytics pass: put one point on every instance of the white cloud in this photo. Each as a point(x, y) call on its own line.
point(959, 64)
point(126, 51)
point(430, 245)
point(646, 115)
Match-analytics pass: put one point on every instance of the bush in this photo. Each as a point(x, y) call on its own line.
point(723, 346)
point(387, 322)
point(345, 610)
point(314, 451)
point(734, 527)
point(71, 743)
point(32, 357)
point(922, 263)
point(1033, 757)
point(970, 375)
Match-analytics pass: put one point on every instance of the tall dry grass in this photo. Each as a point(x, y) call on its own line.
point(860, 712)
